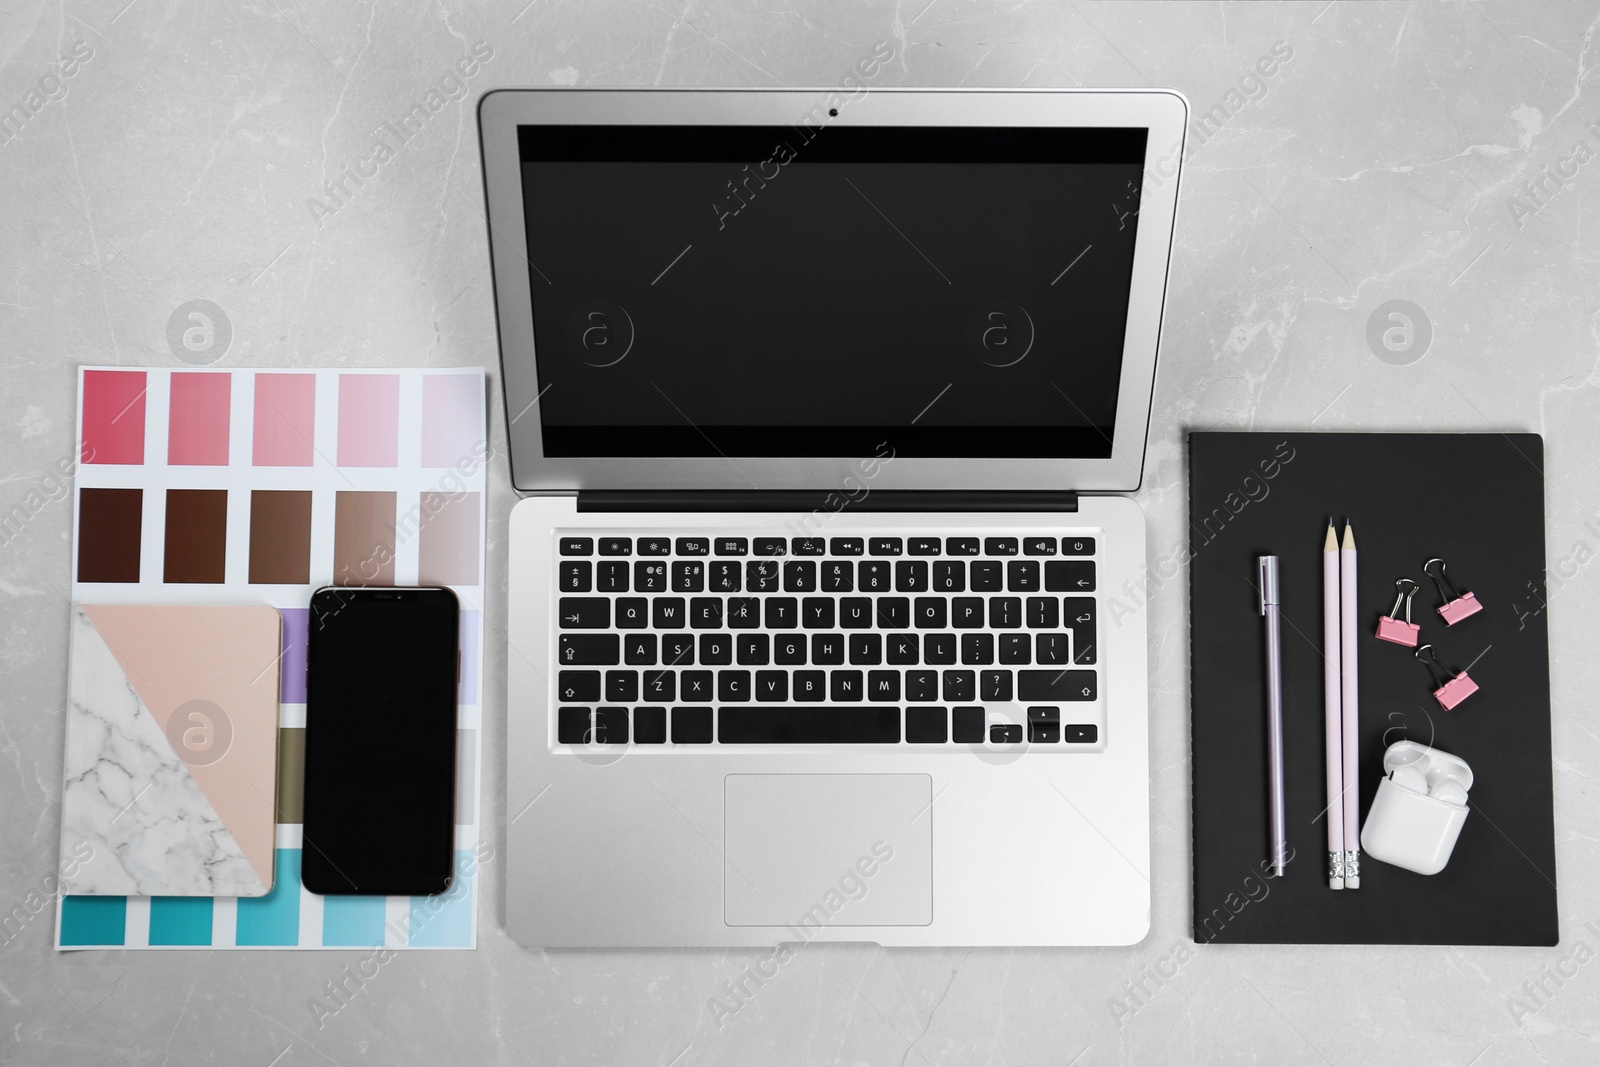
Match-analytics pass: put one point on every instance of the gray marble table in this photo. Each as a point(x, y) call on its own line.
point(1436, 154)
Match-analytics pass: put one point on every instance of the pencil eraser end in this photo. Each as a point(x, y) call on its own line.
point(1455, 691)
point(1335, 883)
point(1398, 631)
point(1352, 882)
point(1463, 607)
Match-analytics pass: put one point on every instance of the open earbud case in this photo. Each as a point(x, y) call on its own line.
point(1420, 808)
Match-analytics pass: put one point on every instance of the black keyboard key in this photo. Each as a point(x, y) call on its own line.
point(771, 546)
point(1077, 546)
point(855, 612)
point(688, 576)
point(922, 546)
point(572, 726)
point(716, 650)
point(1000, 546)
point(961, 546)
point(1022, 576)
point(1016, 648)
point(1056, 686)
point(866, 648)
point(959, 685)
point(827, 650)
point(894, 612)
point(578, 686)
point(872, 725)
point(691, 726)
point(845, 686)
point(584, 613)
point(1069, 576)
point(762, 575)
point(577, 546)
point(1005, 733)
point(1052, 649)
point(695, 686)
point(807, 546)
point(922, 685)
point(744, 613)
point(576, 576)
point(927, 726)
point(732, 546)
point(649, 726)
point(838, 576)
point(816, 613)
point(655, 546)
point(733, 687)
point(611, 576)
point(753, 650)
point(705, 612)
point(967, 725)
point(800, 576)
point(724, 575)
point(694, 546)
point(902, 650)
point(930, 613)
point(846, 546)
point(883, 686)
point(668, 613)
point(633, 613)
point(610, 726)
point(1044, 613)
point(994, 686)
point(772, 686)
point(1039, 546)
point(911, 576)
point(783, 613)
point(977, 648)
point(583, 649)
point(1005, 612)
point(966, 612)
point(622, 687)
point(789, 650)
point(1044, 726)
point(811, 685)
point(938, 648)
point(649, 577)
point(677, 650)
point(872, 576)
point(886, 546)
point(1080, 733)
point(1079, 614)
point(986, 576)
point(950, 576)
point(616, 546)
point(660, 687)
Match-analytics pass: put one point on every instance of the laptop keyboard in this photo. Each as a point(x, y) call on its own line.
point(697, 640)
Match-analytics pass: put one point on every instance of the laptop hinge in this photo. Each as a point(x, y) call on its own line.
point(828, 500)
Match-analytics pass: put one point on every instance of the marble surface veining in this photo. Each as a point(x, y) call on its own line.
point(1420, 152)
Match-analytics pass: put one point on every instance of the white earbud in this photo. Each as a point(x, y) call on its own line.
point(1410, 778)
point(1448, 790)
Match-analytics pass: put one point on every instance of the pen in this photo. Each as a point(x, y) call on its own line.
point(1348, 708)
point(1268, 581)
point(1332, 709)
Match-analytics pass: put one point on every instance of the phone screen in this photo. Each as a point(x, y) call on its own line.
point(380, 772)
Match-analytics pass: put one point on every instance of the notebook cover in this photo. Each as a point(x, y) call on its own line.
point(171, 750)
point(1477, 500)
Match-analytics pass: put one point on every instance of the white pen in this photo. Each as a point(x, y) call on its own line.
point(1267, 575)
point(1332, 709)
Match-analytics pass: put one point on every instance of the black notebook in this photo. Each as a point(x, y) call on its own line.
point(1477, 501)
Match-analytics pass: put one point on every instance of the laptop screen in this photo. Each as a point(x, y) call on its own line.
point(948, 292)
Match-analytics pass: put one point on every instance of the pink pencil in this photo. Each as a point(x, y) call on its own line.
point(1347, 674)
point(1332, 709)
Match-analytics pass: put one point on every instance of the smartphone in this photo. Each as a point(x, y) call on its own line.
point(380, 775)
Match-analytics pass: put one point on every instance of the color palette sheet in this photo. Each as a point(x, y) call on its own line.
point(255, 487)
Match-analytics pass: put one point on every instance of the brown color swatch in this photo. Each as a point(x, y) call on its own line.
point(197, 536)
point(108, 534)
point(280, 537)
point(363, 539)
point(291, 774)
point(447, 549)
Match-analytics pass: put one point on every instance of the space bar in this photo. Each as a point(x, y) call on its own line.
point(764, 724)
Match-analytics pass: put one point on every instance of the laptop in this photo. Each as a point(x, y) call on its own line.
point(825, 617)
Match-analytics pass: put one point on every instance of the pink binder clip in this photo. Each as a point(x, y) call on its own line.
point(1453, 688)
point(1391, 627)
point(1457, 605)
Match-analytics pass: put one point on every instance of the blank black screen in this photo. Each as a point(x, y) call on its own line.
point(805, 291)
point(380, 742)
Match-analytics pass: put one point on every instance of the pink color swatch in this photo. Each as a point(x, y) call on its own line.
point(369, 420)
point(285, 426)
point(452, 419)
point(197, 429)
point(113, 416)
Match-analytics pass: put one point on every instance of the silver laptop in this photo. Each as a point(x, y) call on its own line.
point(825, 616)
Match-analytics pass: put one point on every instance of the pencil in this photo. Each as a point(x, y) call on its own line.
point(1332, 706)
point(1348, 708)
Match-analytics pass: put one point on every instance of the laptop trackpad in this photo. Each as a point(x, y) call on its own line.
point(812, 850)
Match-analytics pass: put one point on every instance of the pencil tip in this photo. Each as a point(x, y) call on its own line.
point(1349, 537)
point(1330, 543)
